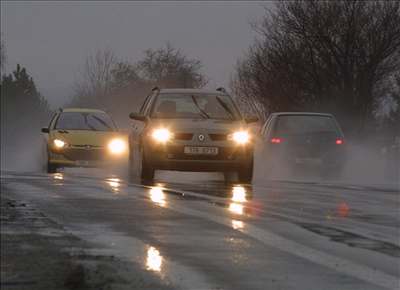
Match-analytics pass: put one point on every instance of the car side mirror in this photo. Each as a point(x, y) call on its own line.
point(137, 116)
point(251, 119)
point(45, 130)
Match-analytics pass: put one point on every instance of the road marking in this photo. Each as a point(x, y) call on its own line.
point(271, 239)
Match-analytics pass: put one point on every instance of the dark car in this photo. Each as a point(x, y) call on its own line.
point(190, 130)
point(304, 140)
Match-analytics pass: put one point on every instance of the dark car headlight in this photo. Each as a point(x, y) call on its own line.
point(161, 135)
point(240, 137)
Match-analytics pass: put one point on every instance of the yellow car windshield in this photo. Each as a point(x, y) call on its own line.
point(85, 121)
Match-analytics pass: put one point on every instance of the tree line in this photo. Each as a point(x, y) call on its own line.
point(23, 111)
point(341, 57)
point(119, 87)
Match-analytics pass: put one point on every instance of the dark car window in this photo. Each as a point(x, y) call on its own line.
point(290, 125)
point(85, 121)
point(208, 106)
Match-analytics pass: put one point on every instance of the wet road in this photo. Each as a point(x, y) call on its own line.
point(207, 235)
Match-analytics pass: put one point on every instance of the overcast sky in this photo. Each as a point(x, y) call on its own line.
point(52, 39)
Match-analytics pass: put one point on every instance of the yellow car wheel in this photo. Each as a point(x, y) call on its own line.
point(51, 168)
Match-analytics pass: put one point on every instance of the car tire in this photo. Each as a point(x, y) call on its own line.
point(131, 165)
point(51, 168)
point(148, 171)
point(139, 167)
point(229, 176)
point(245, 175)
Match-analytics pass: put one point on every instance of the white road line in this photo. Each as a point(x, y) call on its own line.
point(271, 239)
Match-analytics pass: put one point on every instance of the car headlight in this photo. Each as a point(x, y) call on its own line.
point(240, 137)
point(161, 135)
point(117, 146)
point(59, 143)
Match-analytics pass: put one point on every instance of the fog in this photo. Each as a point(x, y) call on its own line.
point(366, 165)
point(52, 41)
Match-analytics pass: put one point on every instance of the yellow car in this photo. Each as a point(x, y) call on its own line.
point(79, 137)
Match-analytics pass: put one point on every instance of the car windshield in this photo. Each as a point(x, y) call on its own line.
point(290, 125)
point(189, 106)
point(85, 121)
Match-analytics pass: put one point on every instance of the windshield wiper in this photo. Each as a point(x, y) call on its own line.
point(226, 107)
point(87, 123)
point(102, 122)
point(202, 112)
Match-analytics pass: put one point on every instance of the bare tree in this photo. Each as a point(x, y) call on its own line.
point(119, 87)
point(322, 55)
point(95, 80)
point(169, 67)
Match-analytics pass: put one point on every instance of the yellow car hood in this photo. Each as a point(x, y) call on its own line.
point(82, 137)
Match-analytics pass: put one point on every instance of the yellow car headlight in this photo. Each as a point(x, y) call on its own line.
point(161, 135)
point(117, 146)
point(240, 137)
point(59, 144)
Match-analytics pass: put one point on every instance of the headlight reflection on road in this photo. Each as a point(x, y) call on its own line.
point(236, 208)
point(157, 195)
point(58, 176)
point(237, 225)
point(115, 183)
point(238, 197)
point(154, 260)
point(238, 194)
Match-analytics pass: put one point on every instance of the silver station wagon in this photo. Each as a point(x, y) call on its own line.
point(191, 130)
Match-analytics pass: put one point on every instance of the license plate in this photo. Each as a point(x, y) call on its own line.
point(201, 150)
point(82, 163)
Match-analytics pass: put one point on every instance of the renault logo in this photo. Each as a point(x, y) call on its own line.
point(201, 137)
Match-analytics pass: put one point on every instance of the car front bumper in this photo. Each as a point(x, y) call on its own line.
point(172, 157)
point(84, 158)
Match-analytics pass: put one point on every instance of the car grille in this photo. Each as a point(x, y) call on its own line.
point(98, 153)
point(189, 136)
point(183, 136)
point(218, 137)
